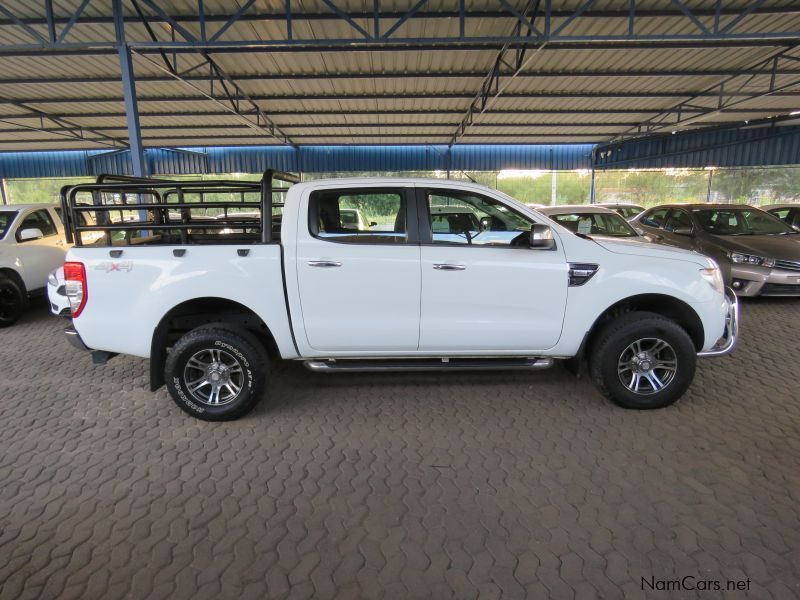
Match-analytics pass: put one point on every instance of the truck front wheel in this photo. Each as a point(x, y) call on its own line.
point(12, 301)
point(642, 360)
point(215, 373)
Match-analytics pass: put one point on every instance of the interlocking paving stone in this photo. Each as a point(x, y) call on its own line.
point(482, 485)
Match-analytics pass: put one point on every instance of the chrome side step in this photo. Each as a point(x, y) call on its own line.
point(352, 365)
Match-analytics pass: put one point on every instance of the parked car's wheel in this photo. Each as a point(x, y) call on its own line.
point(215, 373)
point(12, 301)
point(642, 360)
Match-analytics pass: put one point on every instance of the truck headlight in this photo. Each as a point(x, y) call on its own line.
point(713, 277)
point(750, 259)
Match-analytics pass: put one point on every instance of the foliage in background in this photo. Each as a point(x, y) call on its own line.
point(40, 191)
point(763, 185)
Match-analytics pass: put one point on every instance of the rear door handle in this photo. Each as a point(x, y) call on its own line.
point(448, 267)
point(324, 263)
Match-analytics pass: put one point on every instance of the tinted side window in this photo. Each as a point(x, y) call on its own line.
point(678, 218)
point(359, 216)
point(39, 220)
point(467, 218)
point(655, 218)
point(782, 214)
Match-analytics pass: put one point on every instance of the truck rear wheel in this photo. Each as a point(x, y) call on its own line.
point(642, 360)
point(12, 301)
point(215, 373)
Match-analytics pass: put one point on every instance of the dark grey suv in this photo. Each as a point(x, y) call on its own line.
point(759, 254)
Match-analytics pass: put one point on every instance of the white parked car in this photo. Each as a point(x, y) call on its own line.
point(511, 290)
point(32, 244)
point(57, 293)
point(591, 219)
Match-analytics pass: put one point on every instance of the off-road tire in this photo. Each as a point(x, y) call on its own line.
point(607, 350)
point(236, 346)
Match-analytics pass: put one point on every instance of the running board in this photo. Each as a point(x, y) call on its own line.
point(352, 365)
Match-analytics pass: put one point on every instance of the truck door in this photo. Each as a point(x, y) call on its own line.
point(358, 270)
point(483, 288)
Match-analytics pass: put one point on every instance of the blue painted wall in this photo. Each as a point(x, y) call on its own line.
point(756, 146)
point(309, 159)
point(743, 147)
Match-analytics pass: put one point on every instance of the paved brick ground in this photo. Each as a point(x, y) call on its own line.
point(398, 486)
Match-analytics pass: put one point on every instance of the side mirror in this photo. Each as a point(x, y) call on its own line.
point(542, 237)
point(33, 233)
point(373, 224)
point(687, 231)
point(486, 223)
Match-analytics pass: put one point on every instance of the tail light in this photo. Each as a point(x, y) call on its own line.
point(77, 291)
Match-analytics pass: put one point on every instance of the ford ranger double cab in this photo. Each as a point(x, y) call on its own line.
point(212, 302)
point(32, 244)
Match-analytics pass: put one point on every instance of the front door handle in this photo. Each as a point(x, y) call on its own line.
point(448, 267)
point(324, 263)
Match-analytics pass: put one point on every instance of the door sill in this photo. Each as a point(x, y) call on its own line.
point(427, 364)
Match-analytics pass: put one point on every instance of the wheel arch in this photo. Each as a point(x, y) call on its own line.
point(189, 314)
point(14, 276)
point(667, 306)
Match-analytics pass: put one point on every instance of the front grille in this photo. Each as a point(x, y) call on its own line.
point(780, 289)
point(789, 265)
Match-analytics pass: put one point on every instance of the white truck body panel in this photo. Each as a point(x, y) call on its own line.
point(145, 283)
point(387, 300)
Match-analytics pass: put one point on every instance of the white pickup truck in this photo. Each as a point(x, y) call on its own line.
point(447, 275)
point(32, 244)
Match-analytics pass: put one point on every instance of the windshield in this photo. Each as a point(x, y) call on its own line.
point(740, 221)
point(607, 224)
point(6, 218)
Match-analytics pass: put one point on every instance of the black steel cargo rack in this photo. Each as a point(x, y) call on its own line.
point(122, 210)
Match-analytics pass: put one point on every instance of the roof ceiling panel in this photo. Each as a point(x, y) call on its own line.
point(306, 103)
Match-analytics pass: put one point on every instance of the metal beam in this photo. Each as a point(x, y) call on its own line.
point(355, 75)
point(491, 88)
point(730, 93)
point(21, 128)
point(443, 136)
point(62, 127)
point(228, 95)
point(556, 30)
point(411, 113)
point(412, 95)
point(138, 163)
point(439, 15)
point(461, 44)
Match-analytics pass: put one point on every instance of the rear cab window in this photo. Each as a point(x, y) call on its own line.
point(360, 216)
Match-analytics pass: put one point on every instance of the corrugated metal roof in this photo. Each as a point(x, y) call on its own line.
point(384, 97)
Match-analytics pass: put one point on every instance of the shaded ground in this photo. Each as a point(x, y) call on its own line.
point(482, 485)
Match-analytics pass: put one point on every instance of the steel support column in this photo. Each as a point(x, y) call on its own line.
point(129, 93)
